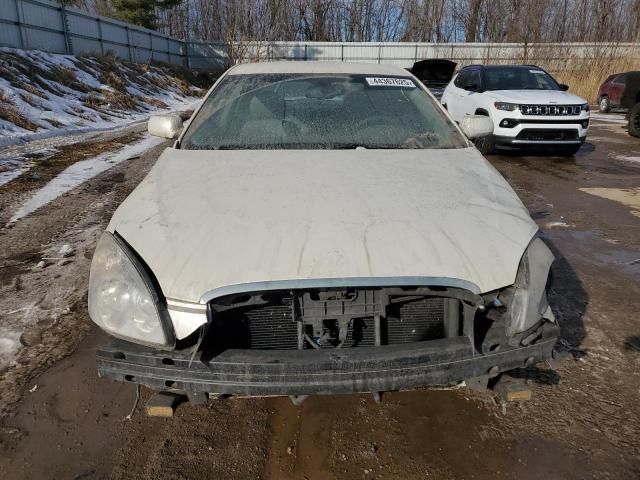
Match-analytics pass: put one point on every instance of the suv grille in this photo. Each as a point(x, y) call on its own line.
point(551, 110)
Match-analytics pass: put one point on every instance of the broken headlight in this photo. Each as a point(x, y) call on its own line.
point(122, 299)
point(526, 300)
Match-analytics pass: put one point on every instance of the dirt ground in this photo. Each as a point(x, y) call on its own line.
point(60, 421)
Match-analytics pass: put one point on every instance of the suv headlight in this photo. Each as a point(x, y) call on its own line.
point(508, 107)
point(122, 299)
point(584, 107)
point(526, 300)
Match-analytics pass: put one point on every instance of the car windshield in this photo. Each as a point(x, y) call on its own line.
point(520, 78)
point(319, 111)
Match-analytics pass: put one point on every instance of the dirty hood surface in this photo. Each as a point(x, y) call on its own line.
point(204, 220)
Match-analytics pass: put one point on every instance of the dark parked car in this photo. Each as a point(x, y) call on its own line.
point(611, 90)
point(434, 73)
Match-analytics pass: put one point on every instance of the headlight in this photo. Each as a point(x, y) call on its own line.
point(527, 298)
point(508, 107)
point(584, 107)
point(122, 299)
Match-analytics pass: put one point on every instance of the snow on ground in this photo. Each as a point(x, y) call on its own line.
point(80, 172)
point(626, 158)
point(48, 94)
point(609, 118)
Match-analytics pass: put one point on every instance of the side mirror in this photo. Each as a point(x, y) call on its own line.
point(165, 126)
point(472, 87)
point(475, 126)
point(564, 87)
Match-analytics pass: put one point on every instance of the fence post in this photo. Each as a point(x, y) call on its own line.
point(415, 55)
point(129, 43)
point(151, 45)
point(305, 52)
point(68, 48)
point(100, 35)
point(18, 4)
point(342, 52)
point(379, 52)
point(186, 53)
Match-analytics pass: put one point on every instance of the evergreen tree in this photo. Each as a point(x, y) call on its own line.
point(141, 12)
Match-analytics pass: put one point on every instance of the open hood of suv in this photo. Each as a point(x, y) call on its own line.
point(205, 220)
point(536, 97)
point(434, 71)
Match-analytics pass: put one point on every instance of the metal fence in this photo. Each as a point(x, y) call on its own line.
point(51, 27)
point(45, 25)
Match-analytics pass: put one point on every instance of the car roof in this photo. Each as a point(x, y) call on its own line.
point(498, 65)
point(318, 67)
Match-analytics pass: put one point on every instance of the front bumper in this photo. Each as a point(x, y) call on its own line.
point(308, 372)
point(515, 142)
point(523, 127)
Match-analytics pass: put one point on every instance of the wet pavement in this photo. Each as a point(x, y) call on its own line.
point(582, 422)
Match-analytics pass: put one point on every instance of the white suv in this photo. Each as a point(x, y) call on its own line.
point(527, 106)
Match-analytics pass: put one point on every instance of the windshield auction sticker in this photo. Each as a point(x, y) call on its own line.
point(390, 82)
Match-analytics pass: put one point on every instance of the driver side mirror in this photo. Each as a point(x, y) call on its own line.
point(564, 87)
point(165, 126)
point(475, 126)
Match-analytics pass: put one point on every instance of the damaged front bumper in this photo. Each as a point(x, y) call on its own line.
point(367, 369)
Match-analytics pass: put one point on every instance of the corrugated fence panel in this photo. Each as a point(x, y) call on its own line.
point(10, 35)
point(9, 10)
point(43, 40)
point(42, 15)
point(114, 33)
point(83, 26)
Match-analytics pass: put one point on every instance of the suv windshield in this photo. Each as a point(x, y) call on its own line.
point(321, 111)
point(518, 78)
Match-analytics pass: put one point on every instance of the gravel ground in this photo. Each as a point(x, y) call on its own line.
point(60, 421)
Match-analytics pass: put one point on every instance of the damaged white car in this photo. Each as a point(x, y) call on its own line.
point(320, 228)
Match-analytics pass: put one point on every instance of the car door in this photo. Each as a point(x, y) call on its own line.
point(616, 89)
point(455, 95)
point(470, 86)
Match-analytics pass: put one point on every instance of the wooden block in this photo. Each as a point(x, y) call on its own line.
point(162, 404)
point(515, 392)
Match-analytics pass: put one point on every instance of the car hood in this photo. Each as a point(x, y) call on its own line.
point(539, 97)
point(205, 220)
point(434, 71)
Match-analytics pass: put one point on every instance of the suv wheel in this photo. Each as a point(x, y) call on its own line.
point(486, 144)
point(634, 120)
point(604, 106)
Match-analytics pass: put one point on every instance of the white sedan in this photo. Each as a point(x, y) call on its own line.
point(319, 228)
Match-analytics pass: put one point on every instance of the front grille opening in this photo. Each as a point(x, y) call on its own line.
point(326, 319)
point(541, 134)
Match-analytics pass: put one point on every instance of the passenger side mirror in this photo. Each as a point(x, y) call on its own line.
point(165, 126)
point(564, 87)
point(475, 126)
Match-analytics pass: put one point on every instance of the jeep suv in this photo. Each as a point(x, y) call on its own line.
point(527, 106)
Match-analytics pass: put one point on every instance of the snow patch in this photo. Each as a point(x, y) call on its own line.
point(609, 118)
point(9, 344)
point(87, 102)
point(626, 158)
point(80, 172)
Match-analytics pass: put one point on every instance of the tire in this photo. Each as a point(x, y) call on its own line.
point(568, 151)
point(634, 120)
point(604, 105)
point(486, 145)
